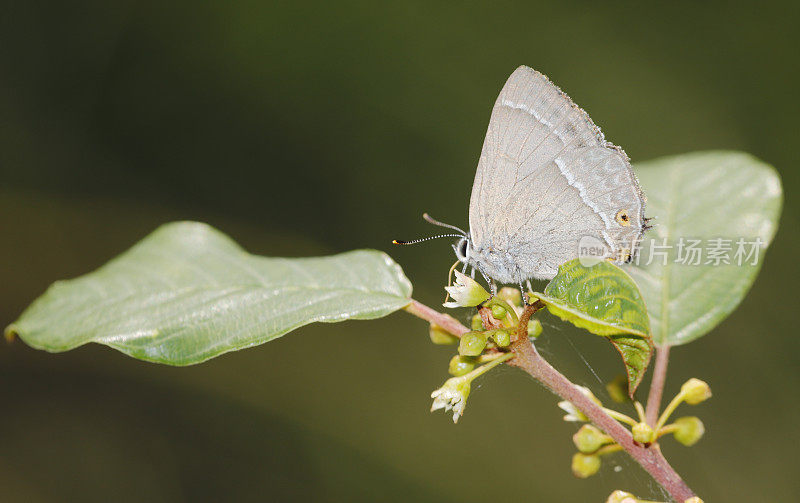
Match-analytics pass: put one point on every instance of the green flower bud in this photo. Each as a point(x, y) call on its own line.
point(472, 344)
point(460, 365)
point(440, 336)
point(534, 328)
point(585, 465)
point(618, 389)
point(510, 295)
point(498, 312)
point(621, 497)
point(690, 430)
point(695, 391)
point(642, 433)
point(477, 323)
point(588, 439)
point(502, 338)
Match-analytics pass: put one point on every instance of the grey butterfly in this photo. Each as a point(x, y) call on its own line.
point(547, 182)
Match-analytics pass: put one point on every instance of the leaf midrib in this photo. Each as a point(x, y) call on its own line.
point(666, 270)
point(111, 301)
point(245, 286)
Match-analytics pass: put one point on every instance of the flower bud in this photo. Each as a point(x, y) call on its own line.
point(502, 338)
point(642, 433)
point(695, 391)
point(510, 295)
point(621, 497)
point(690, 430)
point(476, 323)
point(472, 344)
point(585, 465)
point(440, 336)
point(693, 499)
point(588, 439)
point(460, 365)
point(534, 328)
point(498, 312)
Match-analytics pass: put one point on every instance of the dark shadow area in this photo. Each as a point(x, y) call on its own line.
point(89, 437)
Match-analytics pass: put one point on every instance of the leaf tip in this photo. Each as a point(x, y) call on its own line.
point(10, 334)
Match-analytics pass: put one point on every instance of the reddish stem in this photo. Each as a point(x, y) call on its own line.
point(444, 321)
point(651, 459)
point(529, 360)
point(657, 384)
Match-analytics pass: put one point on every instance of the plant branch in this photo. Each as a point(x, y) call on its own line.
point(445, 321)
point(657, 384)
point(530, 361)
point(651, 459)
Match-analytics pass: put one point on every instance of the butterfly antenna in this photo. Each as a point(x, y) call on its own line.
point(415, 241)
point(433, 221)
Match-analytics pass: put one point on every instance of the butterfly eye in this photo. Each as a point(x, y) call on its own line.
point(461, 250)
point(622, 218)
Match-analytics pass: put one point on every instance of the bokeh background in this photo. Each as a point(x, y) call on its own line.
point(313, 128)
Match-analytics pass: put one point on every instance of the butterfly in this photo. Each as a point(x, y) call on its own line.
point(547, 183)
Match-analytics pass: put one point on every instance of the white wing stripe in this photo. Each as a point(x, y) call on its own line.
point(582, 191)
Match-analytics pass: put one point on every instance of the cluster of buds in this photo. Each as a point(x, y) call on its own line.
point(484, 347)
point(592, 443)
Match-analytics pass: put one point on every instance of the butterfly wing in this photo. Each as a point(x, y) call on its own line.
point(547, 180)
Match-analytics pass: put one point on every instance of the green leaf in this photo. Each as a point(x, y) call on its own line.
point(702, 196)
point(187, 293)
point(605, 301)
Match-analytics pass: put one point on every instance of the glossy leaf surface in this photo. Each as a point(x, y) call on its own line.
point(605, 301)
point(187, 293)
point(715, 214)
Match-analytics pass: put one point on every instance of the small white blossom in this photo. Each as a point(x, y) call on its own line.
point(573, 414)
point(453, 395)
point(466, 292)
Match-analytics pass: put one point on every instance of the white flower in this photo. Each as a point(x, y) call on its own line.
point(573, 414)
point(453, 395)
point(466, 292)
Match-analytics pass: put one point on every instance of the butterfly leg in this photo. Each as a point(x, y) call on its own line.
point(490, 281)
point(524, 293)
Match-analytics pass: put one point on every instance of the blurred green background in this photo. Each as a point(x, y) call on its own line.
point(314, 128)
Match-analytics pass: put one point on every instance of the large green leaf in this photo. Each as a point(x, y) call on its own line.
point(605, 301)
point(187, 293)
point(702, 196)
